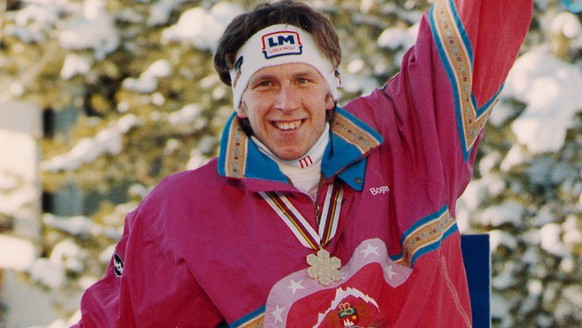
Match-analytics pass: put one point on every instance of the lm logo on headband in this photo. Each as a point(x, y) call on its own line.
point(282, 43)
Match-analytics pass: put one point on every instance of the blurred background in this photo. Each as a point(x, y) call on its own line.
point(101, 99)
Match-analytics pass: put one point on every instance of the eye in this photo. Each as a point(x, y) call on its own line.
point(303, 80)
point(263, 83)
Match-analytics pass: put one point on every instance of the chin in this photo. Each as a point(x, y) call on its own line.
point(289, 156)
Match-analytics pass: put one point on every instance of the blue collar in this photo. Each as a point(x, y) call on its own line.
point(345, 156)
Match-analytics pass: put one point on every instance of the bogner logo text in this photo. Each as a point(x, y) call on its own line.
point(379, 190)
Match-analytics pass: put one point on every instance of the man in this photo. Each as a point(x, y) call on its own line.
point(316, 215)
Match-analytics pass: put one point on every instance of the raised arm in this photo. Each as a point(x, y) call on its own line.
point(491, 31)
point(432, 114)
point(477, 43)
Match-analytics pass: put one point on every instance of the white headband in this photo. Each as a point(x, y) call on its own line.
point(277, 45)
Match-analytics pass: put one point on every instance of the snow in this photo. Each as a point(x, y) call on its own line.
point(75, 225)
point(514, 157)
point(75, 65)
point(499, 238)
point(160, 11)
point(535, 287)
point(504, 279)
point(551, 90)
point(201, 28)
point(356, 66)
point(546, 172)
point(501, 114)
point(480, 190)
point(488, 163)
point(11, 201)
point(15, 253)
point(158, 99)
point(48, 273)
point(225, 12)
point(568, 265)
point(94, 29)
point(106, 141)
point(566, 24)
point(20, 126)
point(83, 226)
point(543, 216)
point(186, 115)
point(68, 253)
point(509, 212)
point(148, 80)
point(572, 232)
point(394, 38)
point(105, 256)
point(551, 239)
point(19, 161)
point(500, 308)
point(35, 20)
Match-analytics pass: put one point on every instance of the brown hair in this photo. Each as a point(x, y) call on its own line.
point(289, 12)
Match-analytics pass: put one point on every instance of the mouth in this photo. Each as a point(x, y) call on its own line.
point(287, 125)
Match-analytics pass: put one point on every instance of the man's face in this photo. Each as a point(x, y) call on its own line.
point(286, 107)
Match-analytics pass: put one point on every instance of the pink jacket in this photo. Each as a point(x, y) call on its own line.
point(205, 247)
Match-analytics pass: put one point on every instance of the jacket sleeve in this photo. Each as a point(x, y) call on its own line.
point(433, 112)
point(146, 285)
point(472, 49)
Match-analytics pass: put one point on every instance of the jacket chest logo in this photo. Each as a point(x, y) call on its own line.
point(379, 190)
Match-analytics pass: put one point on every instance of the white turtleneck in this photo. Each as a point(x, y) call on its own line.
point(304, 172)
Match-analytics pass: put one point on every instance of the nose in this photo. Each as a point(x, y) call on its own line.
point(287, 98)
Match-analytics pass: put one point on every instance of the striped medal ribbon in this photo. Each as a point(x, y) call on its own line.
point(322, 266)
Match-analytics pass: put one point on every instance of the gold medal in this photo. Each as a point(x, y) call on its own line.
point(324, 268)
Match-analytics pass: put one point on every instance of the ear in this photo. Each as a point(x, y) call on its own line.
point(241, 111)
point(330, 103)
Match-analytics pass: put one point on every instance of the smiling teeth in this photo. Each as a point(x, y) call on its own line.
point(287, 125)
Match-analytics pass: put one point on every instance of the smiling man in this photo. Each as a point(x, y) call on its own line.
point(283, 105)
point(315, 215)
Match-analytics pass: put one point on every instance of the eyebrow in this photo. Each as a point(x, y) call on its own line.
point(262, 76)
point(267, 76)
point(304, 73)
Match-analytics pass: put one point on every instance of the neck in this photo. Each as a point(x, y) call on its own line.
point(305, 171)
